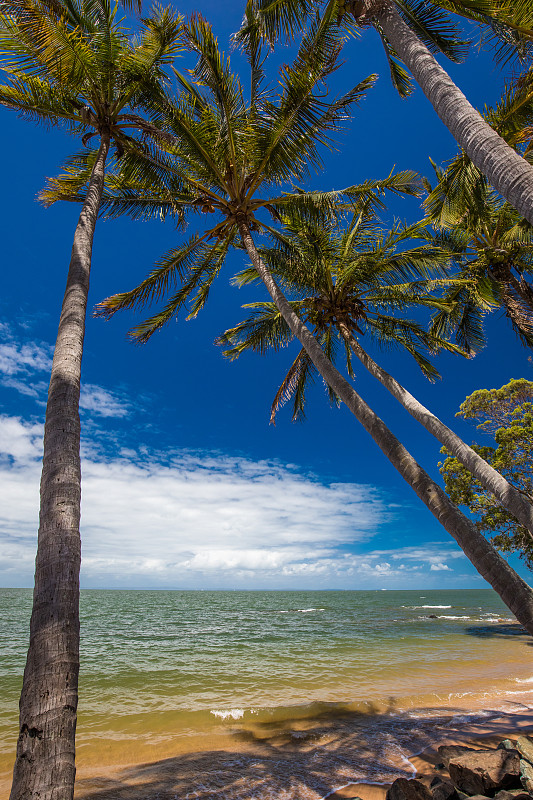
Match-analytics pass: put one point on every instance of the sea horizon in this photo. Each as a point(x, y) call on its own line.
point(241, 589)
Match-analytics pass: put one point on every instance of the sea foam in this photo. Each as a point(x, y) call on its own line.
point(230, 713)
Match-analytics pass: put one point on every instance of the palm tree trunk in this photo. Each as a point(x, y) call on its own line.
point(514, 592)
point(506, 171)
point(516, 297)
point(44, 766)
point(508, 496)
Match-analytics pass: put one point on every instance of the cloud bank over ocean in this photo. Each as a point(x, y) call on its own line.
point(176, 518)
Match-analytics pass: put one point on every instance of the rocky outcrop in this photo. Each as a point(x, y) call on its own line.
point(513, 794)
point(404, 789)
point(526, 775)
point(449, 751)
point(442, 790)
point(524, 745)
point(502, 773)
point(485, 772)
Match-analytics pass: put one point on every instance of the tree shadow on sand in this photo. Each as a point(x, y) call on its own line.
point(298, 760)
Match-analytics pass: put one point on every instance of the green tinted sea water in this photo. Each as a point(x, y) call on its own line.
point(162, 669)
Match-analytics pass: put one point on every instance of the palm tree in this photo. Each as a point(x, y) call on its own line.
point(346, 285)
point(411, 32)
point(492, 248)
point(491, 244)
point(73, 65)
point(224, 151)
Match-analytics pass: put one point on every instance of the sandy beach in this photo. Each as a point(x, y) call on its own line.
point(289, 765)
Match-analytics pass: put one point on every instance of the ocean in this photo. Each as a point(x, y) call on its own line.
point(275, 694)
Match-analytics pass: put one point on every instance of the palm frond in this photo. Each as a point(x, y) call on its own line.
point(434, 27)
point(299, 376)
point(401, 80)
point(169, 271)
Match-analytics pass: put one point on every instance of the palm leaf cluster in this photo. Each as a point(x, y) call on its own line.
point(491, 248)
point(236, 157)
point(74, 64)
point(433, 24)
point(348, 278)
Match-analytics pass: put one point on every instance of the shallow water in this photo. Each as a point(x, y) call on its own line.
point(327, 673)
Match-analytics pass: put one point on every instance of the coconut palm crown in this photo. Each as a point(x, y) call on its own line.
point(491, 247)
point(74, 65)
point(222, 155)
point(357, 279)
point(412, 32)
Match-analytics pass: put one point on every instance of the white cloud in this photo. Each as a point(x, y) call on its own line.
point(193, 520)
point(36, 389)
point(100, 401)
point(17, 358)
point(429, 552)
point(20, 365)
point(439, 567)
point(20, 440)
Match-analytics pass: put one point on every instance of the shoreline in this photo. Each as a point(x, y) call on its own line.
point(324, 758)
point(252, 767)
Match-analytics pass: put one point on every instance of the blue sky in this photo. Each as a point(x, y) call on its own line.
point(186, 485)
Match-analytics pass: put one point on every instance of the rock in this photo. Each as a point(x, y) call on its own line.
point(507, 744)
point(512, 794)
point(433, 616)
point(403, 789)
point(443, 791)
point(477, 797)
point(526, 775)
point(524, 745)
point(485, 771)
point(448, 751)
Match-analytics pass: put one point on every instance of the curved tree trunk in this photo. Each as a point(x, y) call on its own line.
point(516, 297)
point(514, 592)
point(508, 496)
point(508, 172)
point(44, 766)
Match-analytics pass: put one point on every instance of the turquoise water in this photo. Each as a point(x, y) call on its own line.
point(166, 672)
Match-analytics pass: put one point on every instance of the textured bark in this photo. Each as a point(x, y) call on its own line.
point(514, 592)
point(44, 766)
point(508, 172)
point(508, 496)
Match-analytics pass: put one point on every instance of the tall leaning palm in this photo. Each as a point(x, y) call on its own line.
point(492, 247)
point(489, 241)
point(221, 152)
point(411, 31)
point(358, 281)
point(73, 65)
